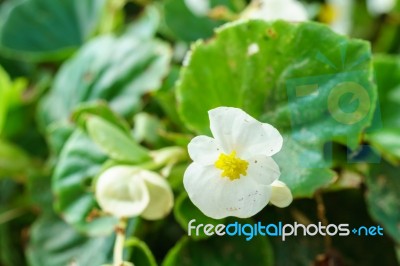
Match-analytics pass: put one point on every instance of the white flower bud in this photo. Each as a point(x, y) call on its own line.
point(127, 191)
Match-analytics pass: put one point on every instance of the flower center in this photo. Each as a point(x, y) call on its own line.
point(231, 166)
point(328, 14)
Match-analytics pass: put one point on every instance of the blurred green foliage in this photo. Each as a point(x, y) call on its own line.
point(88, 84)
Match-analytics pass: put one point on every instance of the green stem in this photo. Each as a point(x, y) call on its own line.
point(321, 213)
point(119, 242)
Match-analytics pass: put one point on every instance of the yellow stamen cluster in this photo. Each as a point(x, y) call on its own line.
point(231, 166)
point(327, 14)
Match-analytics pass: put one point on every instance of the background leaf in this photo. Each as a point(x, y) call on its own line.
point(383, 197)
point(220, 251)
point(118, 70)
point(53, 242)
point(52, 29)
point(101, 109)
point(80, 161)
point(114, 142)
point(201, 25)
point(13, 160)
point(140, 253)
point(384, 136)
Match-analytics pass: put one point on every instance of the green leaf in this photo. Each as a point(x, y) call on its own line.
point(166, 96)
point(113, 141)
point(201, 26)
point(346, 206)
point(387, 73)
point(185, 211)
point(79, 162)
point(313, 95)
point(220, 251)
point(175, 178)
point(10, 94)
point(57, 135)
point(387, 142)
point(52, 29)
point(384, 136)
point(118, 70)
point(147, 129)
point(383, 197)
point(10, 253)
point(147, 24)
point(53, 242)
point(302, 180)
point(353, 211)
point(4, 91)
point(101, 109)
point(13, 160)
point(140, 253)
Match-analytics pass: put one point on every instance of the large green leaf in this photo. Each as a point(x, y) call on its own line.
point(53, 242)
point(304, 171)
point(383, 197)
point(51, 29)
point(313, 95)
point(385, 135)
point(118, 70)
point(79, 162)
point(220, 251)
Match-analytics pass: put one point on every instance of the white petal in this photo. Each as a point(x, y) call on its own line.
point(343, 8)
point(198, 7)
point(203, 183)
point(234, 129)
point(221, 125)
point(263, 170)
point(378, 7)
point(120, 193)
point(219, 197)
point(269, 10)
point(267, 143)
point(243, 197)
point(161, 196)
point(281, 194)
point(204, 150)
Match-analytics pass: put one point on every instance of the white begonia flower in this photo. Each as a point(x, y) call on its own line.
point(127, 191)
point(379, 7)
point(198, 7)
point(290, 10)
point(233, 173)
point(337, 14)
